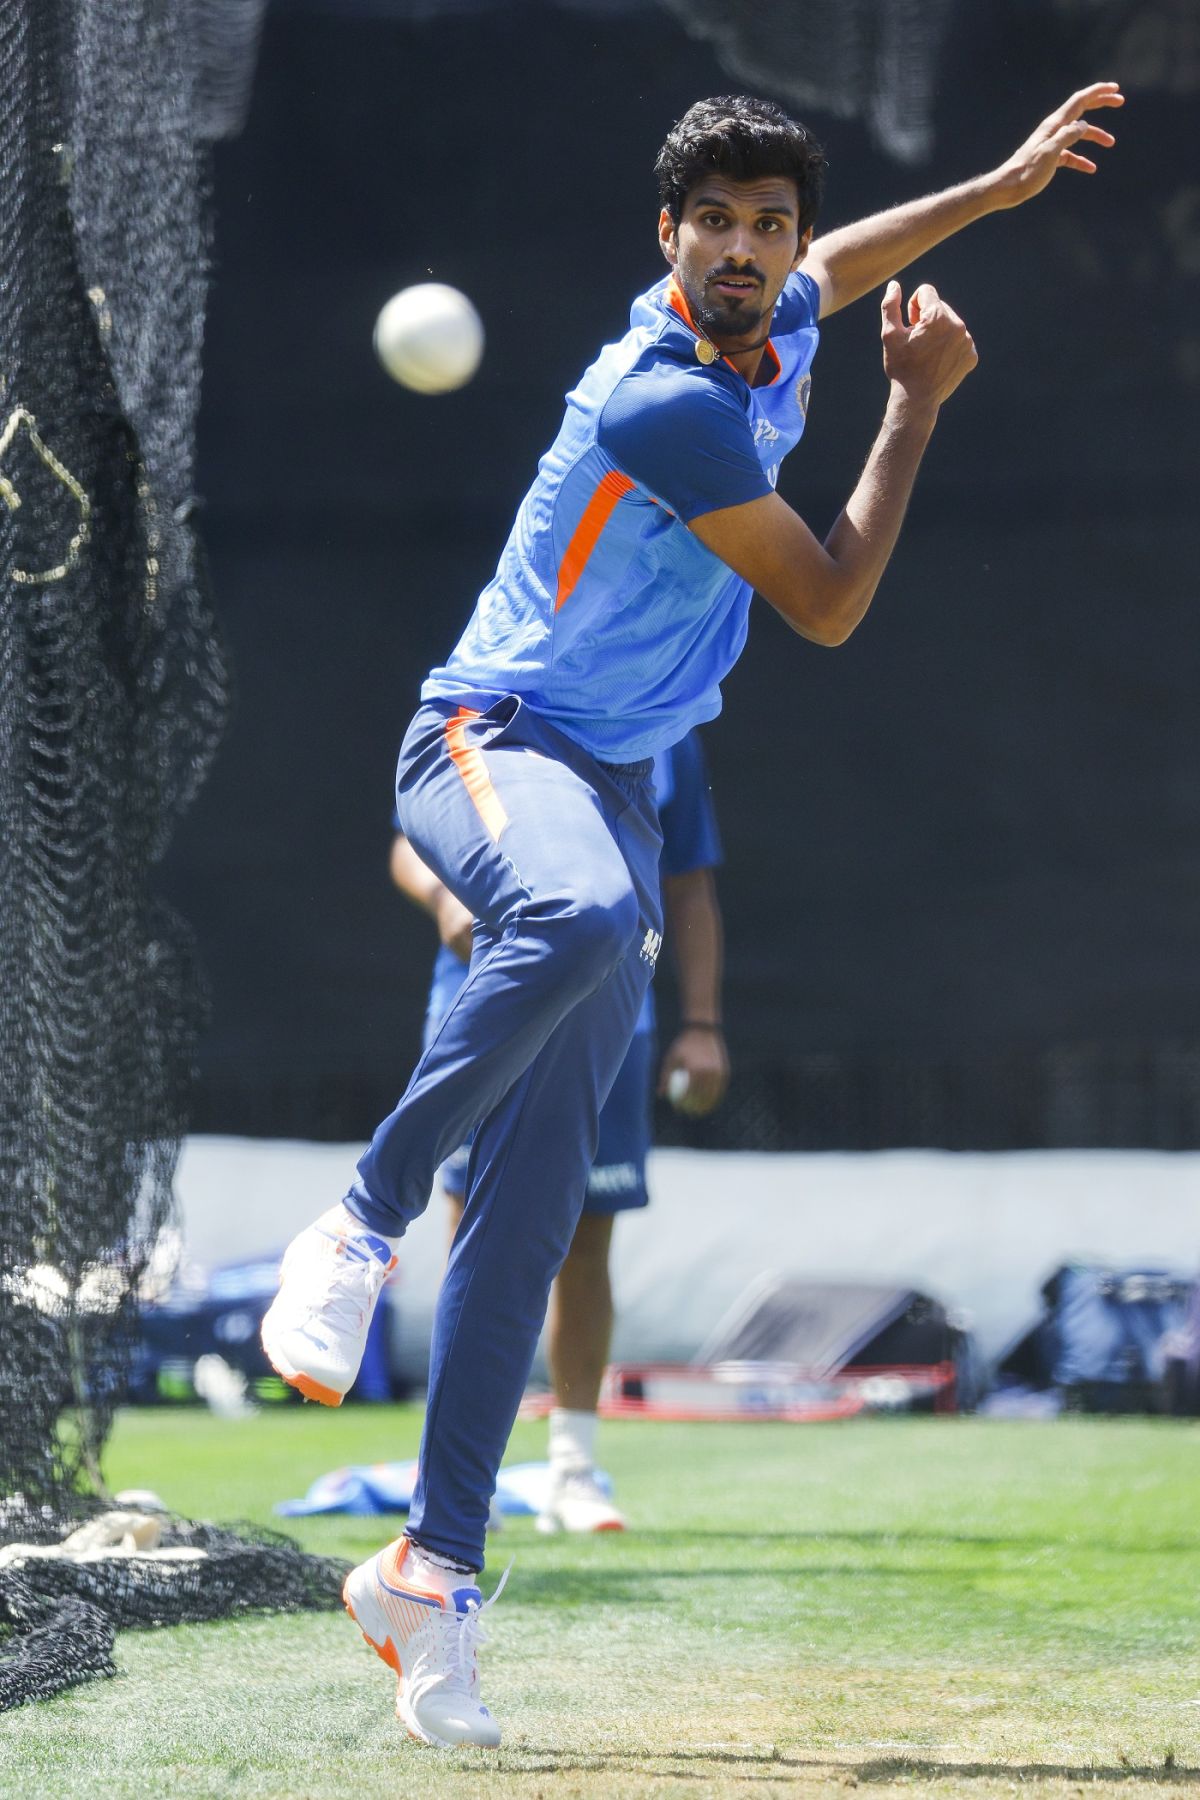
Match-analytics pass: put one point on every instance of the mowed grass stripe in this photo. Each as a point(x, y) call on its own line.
point(940, 1607)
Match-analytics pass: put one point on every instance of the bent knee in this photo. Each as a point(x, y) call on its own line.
point(602, 930)
point(594, 930)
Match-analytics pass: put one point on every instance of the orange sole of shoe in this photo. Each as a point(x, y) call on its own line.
point(386, 1651)
point(312, 1390)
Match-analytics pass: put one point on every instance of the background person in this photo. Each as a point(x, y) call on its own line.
point(580, 1317)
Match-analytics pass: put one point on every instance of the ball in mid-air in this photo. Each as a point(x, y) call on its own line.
point(429, 338)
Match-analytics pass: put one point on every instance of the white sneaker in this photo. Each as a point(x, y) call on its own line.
point(577, 1502)
point(315, 1329)
point(431, 1640)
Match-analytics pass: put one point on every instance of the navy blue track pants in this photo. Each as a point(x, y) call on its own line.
point(556, 855)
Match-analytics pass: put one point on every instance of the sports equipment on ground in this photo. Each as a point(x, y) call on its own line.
point(315, 1330)
point(578, 1503)
point(429, 338)
point(1104, 1338)
point(424, 1623)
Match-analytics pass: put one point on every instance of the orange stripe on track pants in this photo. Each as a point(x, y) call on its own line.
point(471, 766)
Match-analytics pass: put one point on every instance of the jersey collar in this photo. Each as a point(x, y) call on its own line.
point(677, 301)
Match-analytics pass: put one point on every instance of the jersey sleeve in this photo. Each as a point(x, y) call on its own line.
point(799, 305)
point(683, 437)
point(689, 824)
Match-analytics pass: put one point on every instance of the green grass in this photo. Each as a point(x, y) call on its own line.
point(941, 1607)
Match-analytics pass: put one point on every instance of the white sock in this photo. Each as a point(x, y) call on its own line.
point(572, 1441)
point(441, 1573)
point(342, 1219)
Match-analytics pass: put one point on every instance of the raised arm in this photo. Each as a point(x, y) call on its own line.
point(849, 262)
point(824, 590)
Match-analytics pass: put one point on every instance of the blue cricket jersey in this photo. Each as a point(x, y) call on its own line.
point(690, 841)
point(606, 614)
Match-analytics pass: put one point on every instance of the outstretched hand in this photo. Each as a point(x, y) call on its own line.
point(1053, 145)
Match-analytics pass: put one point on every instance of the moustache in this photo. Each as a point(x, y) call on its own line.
point(736, 275)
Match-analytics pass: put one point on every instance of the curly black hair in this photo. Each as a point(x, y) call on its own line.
point(744, 138)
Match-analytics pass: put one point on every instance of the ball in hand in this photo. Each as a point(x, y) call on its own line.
point(678, 1083)
point(429, 338)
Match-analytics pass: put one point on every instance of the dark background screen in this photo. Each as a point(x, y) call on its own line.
point(962, 852)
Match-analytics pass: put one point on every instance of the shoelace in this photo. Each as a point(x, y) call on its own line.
point(450, 1659)
point(346, 1302)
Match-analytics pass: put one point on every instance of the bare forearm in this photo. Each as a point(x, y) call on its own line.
point(695, 936)
point(414, 879)
point(695, 1068)
point(423, 887)
point(851, 261)
point(856, 258)
point(865, 532)
point(860, 543)
point(824, 589)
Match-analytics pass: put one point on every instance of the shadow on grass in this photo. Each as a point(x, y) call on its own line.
point(751, 1764)
point(677, 1765)
point(901, 1768)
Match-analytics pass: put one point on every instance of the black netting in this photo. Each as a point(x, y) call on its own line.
point(62, 1611)
point(870, 59)
point(55, 1643)
point(197, 1572)
point(1100, 1095)
point(112, 697)
point(875, 60)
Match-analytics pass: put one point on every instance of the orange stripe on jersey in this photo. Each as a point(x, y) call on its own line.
point(609, 489)
point(677, 299)
point(471, 766)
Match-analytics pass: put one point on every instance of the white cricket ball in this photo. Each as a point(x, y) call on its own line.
point(429, 338)
point(678, 1083)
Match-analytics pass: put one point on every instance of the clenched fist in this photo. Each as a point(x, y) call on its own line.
point(929, 353)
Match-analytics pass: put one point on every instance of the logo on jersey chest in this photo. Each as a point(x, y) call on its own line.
point(651, 945)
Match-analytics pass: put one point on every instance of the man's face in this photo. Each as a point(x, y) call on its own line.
point(735, 245)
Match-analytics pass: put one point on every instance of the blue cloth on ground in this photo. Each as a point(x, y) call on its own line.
point(363, 1488)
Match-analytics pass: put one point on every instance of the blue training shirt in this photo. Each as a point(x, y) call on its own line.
point(690, 841)
point(606, 614)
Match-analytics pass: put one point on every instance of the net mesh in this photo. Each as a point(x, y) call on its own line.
point(870, 59)
point(112, 696)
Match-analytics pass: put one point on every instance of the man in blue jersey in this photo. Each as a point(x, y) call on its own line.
point(620, 602)
point(693, 1073)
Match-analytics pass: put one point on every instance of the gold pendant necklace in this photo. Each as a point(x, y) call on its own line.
point(707, 352)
